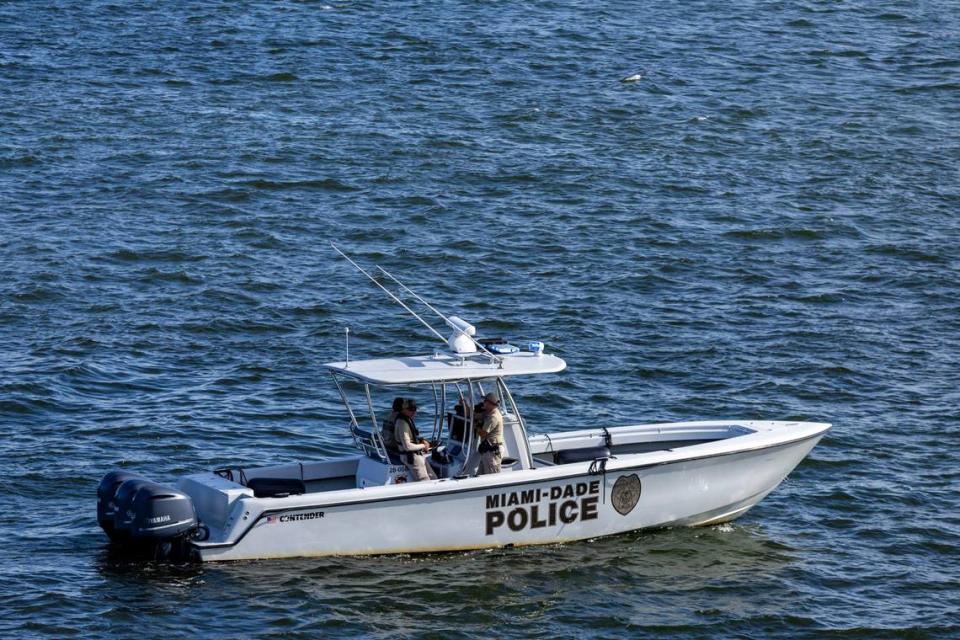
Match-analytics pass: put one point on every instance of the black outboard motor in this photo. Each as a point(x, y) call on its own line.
point(146, 518)
point(107, 505)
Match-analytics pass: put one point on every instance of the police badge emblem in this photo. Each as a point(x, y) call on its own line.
point(626, 493)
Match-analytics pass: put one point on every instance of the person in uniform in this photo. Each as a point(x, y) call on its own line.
point(491, 436)
point(413, 449)
point(488, 456)
point(387, 431)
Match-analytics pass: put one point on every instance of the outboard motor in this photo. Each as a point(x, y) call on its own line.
point(144, 517)
point(107, 505)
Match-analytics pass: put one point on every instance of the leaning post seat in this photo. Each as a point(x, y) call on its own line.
point(276, 487)
point(581, 455)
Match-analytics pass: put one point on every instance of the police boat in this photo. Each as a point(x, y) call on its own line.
point(552, 487)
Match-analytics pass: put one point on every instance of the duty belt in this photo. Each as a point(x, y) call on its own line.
point(489, 447)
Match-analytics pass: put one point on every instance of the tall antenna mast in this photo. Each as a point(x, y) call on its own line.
point(446, 320)
point(387, 291)
point(456, 326)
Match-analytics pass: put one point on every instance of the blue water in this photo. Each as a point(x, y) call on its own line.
point(763, 225)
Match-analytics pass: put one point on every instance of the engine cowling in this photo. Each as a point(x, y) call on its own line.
point(139, 515)
point(106, 503)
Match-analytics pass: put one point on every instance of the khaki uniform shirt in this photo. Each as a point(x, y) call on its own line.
point(493, 425)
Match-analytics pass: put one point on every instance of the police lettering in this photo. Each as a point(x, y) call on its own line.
point(539, 508)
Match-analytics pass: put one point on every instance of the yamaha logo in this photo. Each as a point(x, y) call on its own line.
point(159, 519)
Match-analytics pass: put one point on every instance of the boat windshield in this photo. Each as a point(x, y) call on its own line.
point(447, 411)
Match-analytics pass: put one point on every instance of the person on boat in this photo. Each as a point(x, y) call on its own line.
point(413, 448)
point(458, 421)
point(387, 431)
point(488, 456)
point(491, 435)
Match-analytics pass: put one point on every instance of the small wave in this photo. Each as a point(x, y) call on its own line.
point(156, 275)
point(650, 373)
point(838, 53)
point(15, 407)
point(840, 370)
point(924, 88)
point(448, 143)
point(235, 326)
point(516, 117)
point(315, 311)
point(228, 195)
point(126, 254)
point(937, 63)
point(283, 76)
point(906, 252)
point(223, 295)
point(685, 188)
point(415, 200)
point(821, 298)
point(150, 71)
point(261, 286)
point(326, 184)
point(39, 294)
point(257, 238)
point(519, 178)
point(746, 113)
point(26, 160)
point(408, 39)
point(287, 43)
point(775, 234)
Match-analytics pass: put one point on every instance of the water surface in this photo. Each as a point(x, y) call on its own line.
point(763, 226)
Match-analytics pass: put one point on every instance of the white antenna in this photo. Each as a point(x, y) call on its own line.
point(347, 364)
point(387, 291)
point(453, 322)
point(462, 329)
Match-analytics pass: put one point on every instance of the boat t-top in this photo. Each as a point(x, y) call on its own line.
point(557, 487)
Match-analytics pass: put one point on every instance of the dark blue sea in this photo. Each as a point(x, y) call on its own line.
point(761, 223)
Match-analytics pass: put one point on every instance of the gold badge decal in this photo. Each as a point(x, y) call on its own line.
point(626, 493)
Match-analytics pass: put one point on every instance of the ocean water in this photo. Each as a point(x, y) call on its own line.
point(762, 223)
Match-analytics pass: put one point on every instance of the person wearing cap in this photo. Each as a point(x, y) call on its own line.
point(413, 448)
point(491, 435)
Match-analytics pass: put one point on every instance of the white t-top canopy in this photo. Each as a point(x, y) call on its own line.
point(446, 368)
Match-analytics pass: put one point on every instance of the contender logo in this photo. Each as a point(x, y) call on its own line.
point(538, 508)
point(296, 517)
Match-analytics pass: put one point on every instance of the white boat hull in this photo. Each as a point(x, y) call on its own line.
point(694, 485)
